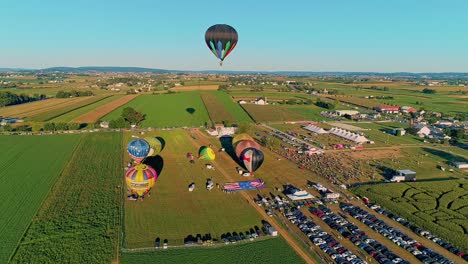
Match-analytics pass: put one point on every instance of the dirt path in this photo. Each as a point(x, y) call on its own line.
point(202, 139)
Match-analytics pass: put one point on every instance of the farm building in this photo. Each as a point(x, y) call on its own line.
point(404, 175)
point(315, 129)
point(422, 130)
point(348, 135)
point(460, 164)
point(104, 124)
point(388, 109)
point(398, 131)
point(261, 101)
point(8, 121)
point(408, 109)
point(242, 102)
point(346, 112)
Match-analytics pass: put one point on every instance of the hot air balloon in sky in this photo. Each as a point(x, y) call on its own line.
point(221, 39)
point(155, 145)
point(244, 144)
point(140, 179)
point(206, 153)
point(138, 149)
point(252, 159)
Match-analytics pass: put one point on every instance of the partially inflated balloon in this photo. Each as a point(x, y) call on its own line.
point(206, 153)
point(140, 179)
point(252, 159)
point(138, 149)
point(240, 137)
point(221, 40)
point(155, 145)
point(244, 144)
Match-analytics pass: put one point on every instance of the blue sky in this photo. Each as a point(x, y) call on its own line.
point(306, 35)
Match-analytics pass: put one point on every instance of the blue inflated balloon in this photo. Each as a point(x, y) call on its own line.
point(138, 149)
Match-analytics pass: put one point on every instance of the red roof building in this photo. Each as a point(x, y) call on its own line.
point(388, 109)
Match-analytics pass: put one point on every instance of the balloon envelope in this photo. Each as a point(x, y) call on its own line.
point(221, 40)
point(206, 153)
point(252, 159)
point(140, 179)
point(155, 144)
point(243, 144)
point(138, 149)
point(240, 137)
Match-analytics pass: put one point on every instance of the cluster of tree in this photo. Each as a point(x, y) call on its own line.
point(8, 84)
point(296, 101)
point(373, 87)
point(325, 104)
point(131, 91)
point(21, 128)
point(223, 87)
point(456, 134)
point(129, 117)
point(256, 89)
point(385, 97)
point(61, 126)
point(429, 91)
point(8, 98)
point(73, 93)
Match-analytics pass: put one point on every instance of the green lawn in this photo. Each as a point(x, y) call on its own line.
point(168, 110)
point(439, 206)
point(269, 113)
point(172, 212)
point(83, 110)
point(377, 132)
point(266, 251)
point(79, 221)
point(29, 167)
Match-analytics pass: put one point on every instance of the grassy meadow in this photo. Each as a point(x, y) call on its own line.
point(79, 221)
point(167, 110)
point(29, 167)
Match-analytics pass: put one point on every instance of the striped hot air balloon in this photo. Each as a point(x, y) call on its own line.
point(252, 159)
point(244, 144)
point(138, 149)
point(140, 179)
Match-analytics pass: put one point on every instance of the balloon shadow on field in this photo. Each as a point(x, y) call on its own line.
point(163, 142)
point(226, 143)
point(156, 162)
point(190, 110)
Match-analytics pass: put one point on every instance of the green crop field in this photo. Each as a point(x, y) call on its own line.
point(46, 116)
point(266, 251)
point(79, 221)
point(232, 107)
point(168, 110)
point(217, 112)
point(172, 212)
point(265, 113)
point(83, 110)
point(440, 206)
point(29, 167)
point(309, 112)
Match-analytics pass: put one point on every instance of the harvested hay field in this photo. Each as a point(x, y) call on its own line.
point(196, 88)
point(375, 154)
point(346, 126)
point(216, 110)
point(38, 107)
point(96, 114)
point(57, 112)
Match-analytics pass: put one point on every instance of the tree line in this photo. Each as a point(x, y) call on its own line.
point(72, 93)
point(8, 98)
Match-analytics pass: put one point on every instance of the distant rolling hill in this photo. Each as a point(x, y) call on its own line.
point(104, 69)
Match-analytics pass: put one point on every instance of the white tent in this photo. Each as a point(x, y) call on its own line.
point(315, 129)
point(348, 135)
